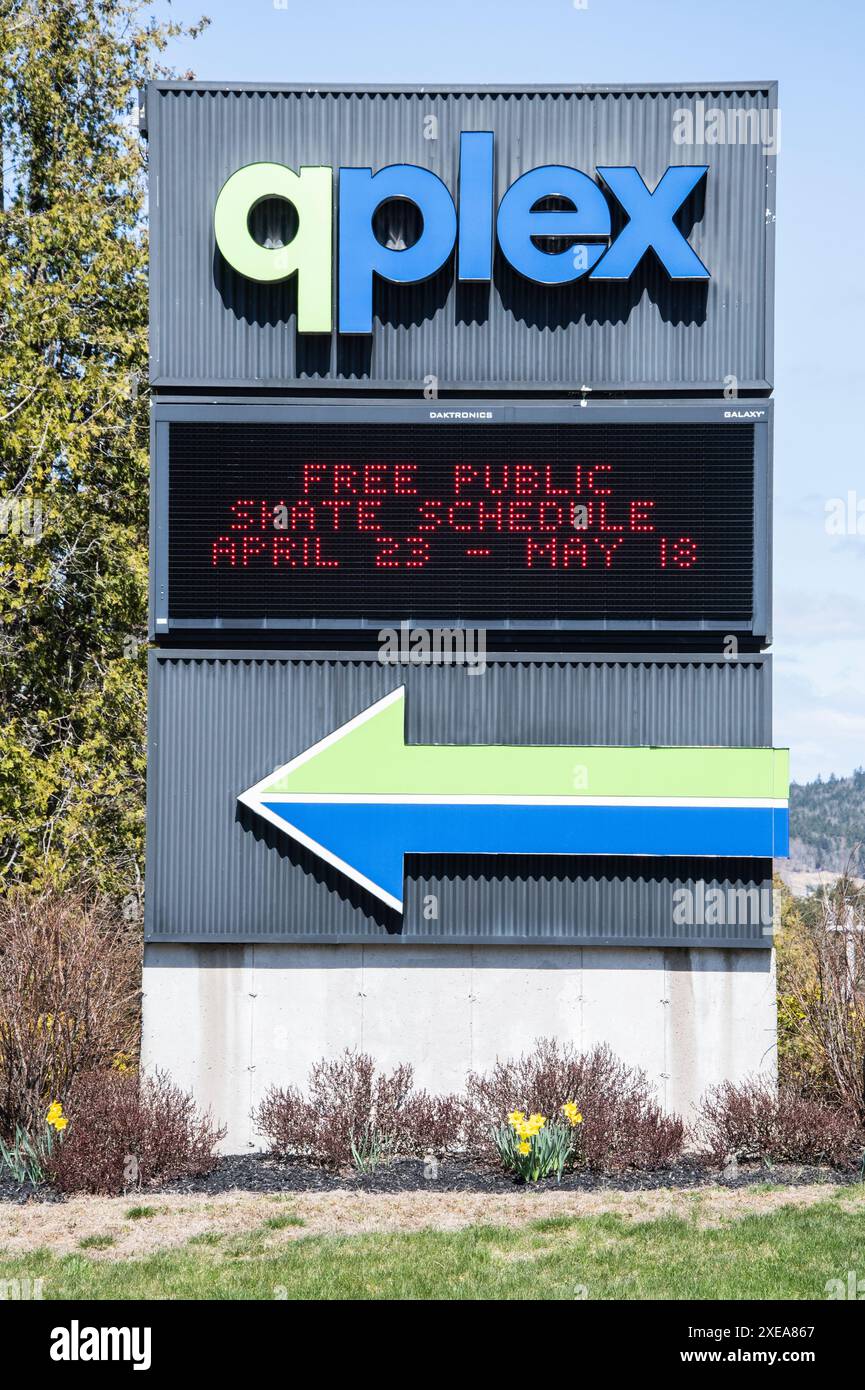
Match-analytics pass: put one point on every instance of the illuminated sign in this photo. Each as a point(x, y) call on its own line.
point(581, 217)
point(366, 522)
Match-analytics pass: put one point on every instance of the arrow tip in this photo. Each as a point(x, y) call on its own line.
point(362, 842)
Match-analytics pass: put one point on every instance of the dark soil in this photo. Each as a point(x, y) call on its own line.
point(259, 1173)
point(11, 1192)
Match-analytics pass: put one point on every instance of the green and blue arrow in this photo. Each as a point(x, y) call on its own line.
point(362, 798)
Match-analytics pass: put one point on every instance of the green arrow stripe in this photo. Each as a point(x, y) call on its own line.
point(374, 759)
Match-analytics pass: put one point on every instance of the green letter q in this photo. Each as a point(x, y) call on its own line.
point(309, 254)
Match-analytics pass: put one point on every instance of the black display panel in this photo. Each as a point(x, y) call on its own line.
point(499, 522)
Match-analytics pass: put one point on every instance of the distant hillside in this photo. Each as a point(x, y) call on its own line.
point(827, 822)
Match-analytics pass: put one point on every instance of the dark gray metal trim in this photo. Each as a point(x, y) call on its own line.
point(689, 943)
point(567, 658)
point(751, 386)
point(254, 409)
point(769, 86)
point(159, 622)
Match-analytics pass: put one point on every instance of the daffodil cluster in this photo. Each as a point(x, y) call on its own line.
point(525, 1129)
point(27, 1156)
point(532, 1147)
point(55, 1117)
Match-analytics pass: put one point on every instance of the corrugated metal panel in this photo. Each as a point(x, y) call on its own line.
point(211, 327)
point(596, 901)
point(626, 701)
point(219, 723)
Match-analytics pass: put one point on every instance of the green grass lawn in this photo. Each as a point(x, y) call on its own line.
point(788, 1253)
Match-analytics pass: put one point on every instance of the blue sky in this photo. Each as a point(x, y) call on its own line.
point(816, 53)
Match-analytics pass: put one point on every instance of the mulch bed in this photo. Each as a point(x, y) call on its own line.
point(259, 1173)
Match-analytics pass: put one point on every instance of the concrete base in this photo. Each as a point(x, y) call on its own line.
point(228, 1021)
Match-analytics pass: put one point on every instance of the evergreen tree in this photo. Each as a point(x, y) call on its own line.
point(74, 440)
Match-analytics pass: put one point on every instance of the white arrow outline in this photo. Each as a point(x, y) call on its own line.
point(254, 797)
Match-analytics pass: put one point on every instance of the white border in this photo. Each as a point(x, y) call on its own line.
point(575, 799)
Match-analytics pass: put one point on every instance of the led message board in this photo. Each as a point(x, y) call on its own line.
point(276, 522)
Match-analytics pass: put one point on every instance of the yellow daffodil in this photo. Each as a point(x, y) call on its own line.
point(56, 1117)
point(527, 1129)
point(525, 1147)
point(516, 1117)
point(571, 1113)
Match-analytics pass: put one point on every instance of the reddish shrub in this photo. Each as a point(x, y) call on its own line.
point(70, 976)
point(284, 1120)
point(127, 1131)
point(431, 1124)
point(757, 1121)
point(347, 1099)
point(623, 1125)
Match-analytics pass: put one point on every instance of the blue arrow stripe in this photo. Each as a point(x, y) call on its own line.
point(372, 838)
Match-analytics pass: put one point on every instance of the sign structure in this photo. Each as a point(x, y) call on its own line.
point(492, 363)
point(510, 517)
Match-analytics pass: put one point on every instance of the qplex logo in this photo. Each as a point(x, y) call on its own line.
point(519, 222)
